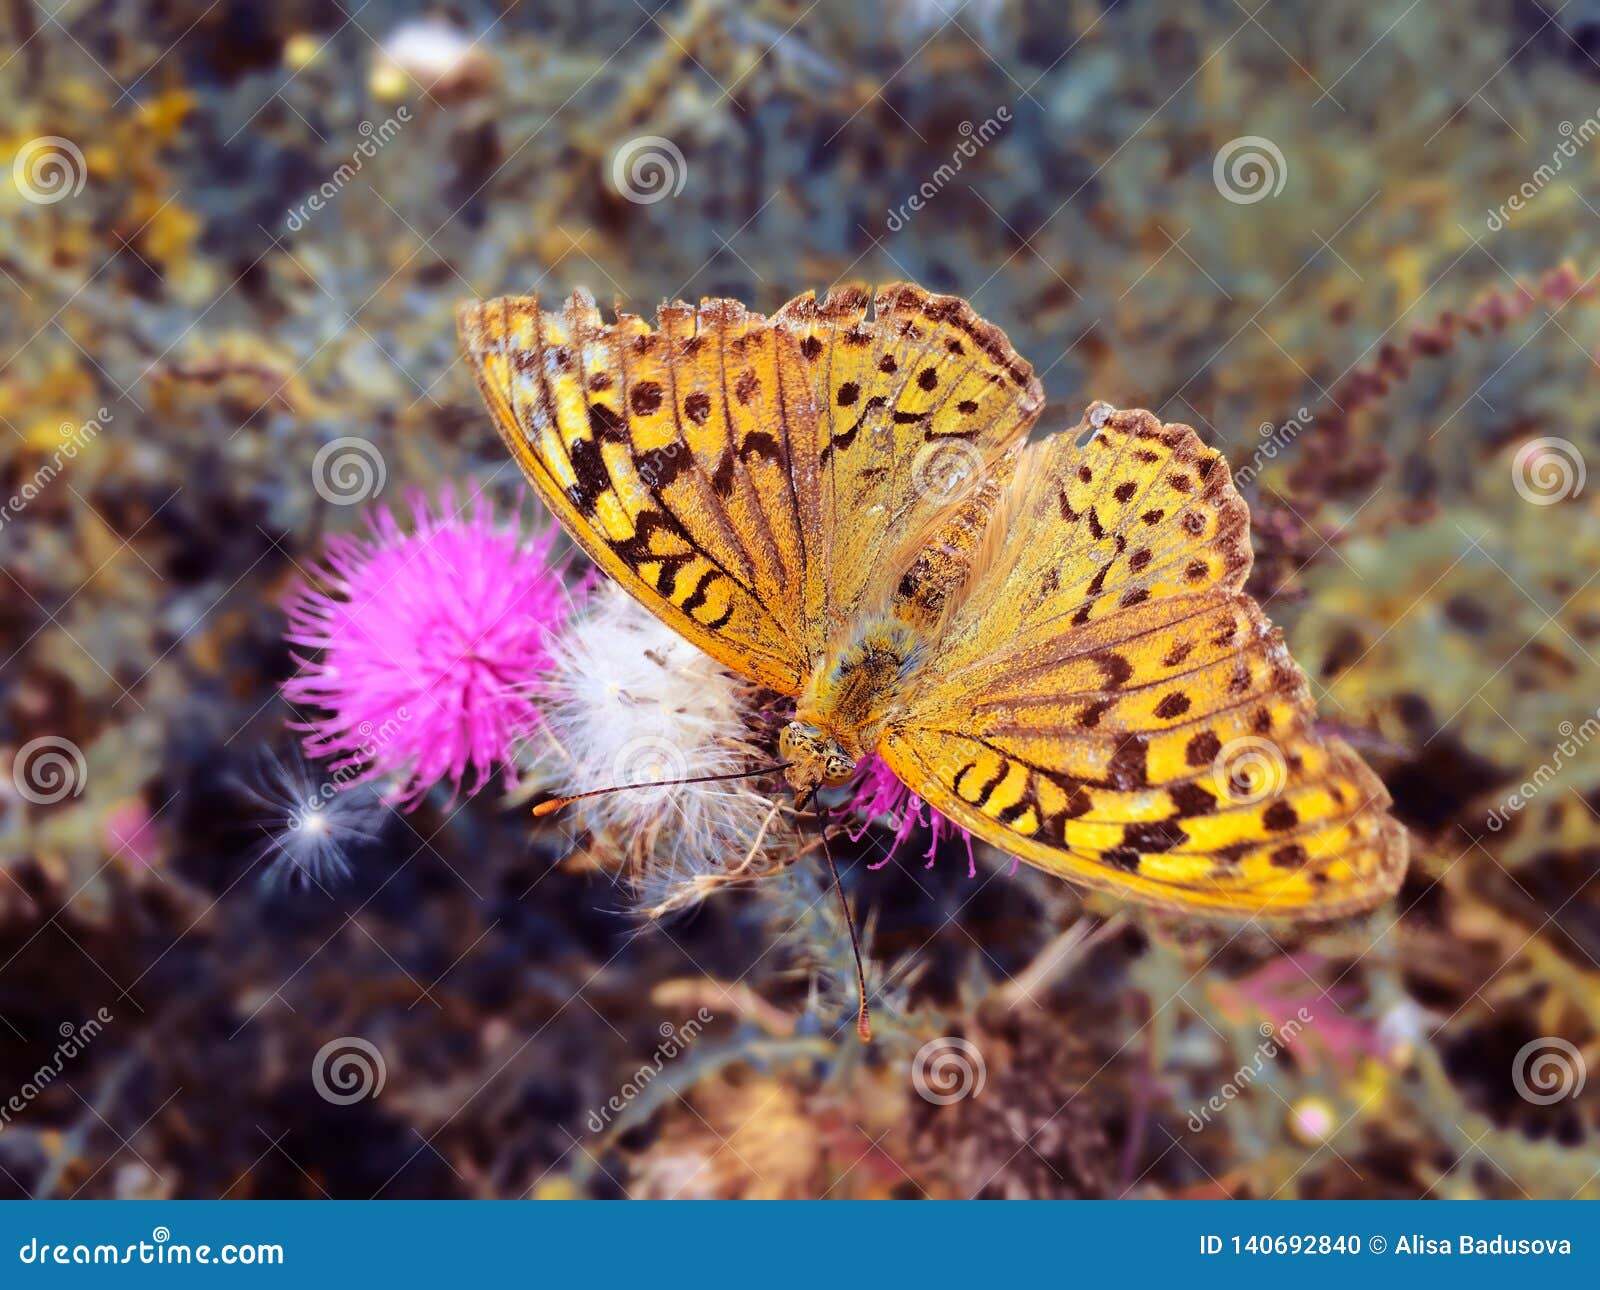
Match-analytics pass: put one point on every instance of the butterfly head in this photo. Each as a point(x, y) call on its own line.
point(815, 759)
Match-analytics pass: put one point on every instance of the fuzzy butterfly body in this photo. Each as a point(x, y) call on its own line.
point(1048, 641)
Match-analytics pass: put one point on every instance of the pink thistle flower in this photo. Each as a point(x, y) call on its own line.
point(878, 792)
point(430, 646)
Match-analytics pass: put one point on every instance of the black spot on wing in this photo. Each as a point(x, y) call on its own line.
point(592, 476)
point(758, 443)
point(605, 423)
point(645, 398)
point(697, 407)
point(1280, 816)
point(697, 597)
point(1127, 769)
point(1153, 836)
point(722, 478)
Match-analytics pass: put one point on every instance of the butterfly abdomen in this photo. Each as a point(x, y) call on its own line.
point(959, 543)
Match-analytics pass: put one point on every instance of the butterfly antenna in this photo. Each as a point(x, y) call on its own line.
point(551, 805)
point(863, 1018)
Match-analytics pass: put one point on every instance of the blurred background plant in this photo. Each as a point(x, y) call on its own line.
point(1351, 244)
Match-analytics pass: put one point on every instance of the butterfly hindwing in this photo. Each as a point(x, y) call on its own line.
point(1109, 705)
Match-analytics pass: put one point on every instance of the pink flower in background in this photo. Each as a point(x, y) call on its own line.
point(129, 831)
point(1288, 994)
point(878, 791)
point(430, 645)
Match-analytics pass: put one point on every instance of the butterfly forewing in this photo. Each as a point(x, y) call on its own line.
point(917, 403)
point(754, 481)
point(626, 432)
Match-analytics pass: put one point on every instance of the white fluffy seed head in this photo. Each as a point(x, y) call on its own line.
point(629, 701)
point(310, 821)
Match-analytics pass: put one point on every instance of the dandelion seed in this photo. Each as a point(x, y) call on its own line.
point(629, 701)
point(430, 646)
point(434, 55)
point(311, 826)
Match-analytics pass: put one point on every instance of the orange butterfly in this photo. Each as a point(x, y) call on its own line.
point(1048, 641)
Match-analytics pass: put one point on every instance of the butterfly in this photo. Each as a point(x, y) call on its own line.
point(1047, 640)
